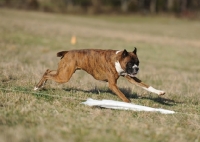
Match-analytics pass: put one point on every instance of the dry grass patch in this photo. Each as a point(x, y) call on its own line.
point(168, 50)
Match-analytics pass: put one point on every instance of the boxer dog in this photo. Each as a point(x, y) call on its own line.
point(104, 65)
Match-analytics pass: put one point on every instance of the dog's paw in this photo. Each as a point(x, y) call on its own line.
point(127, 100)
point(160, 93)
point(35, 88)
point(153, 90)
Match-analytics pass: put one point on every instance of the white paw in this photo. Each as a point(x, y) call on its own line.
point(160, 93)
point(35, 88)
point(153, 90)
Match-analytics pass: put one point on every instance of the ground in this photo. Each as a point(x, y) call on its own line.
point(168, 49)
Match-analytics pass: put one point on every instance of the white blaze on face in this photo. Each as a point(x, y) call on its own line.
point(135, 66)
point(118, 67)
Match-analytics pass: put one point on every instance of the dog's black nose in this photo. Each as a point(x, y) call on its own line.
point(137, 69)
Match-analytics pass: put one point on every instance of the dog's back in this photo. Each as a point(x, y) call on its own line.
point(93, 61)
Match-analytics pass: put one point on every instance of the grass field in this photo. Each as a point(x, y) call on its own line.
point(169, 53)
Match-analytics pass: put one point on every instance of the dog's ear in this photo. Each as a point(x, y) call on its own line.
point(135, 51)
point(125, 53)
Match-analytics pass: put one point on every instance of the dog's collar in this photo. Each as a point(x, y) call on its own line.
point(125, 74)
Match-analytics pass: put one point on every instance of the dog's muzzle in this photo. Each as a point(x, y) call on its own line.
point(134, 71)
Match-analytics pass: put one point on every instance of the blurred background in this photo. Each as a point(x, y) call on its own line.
point(167, 36)
point(184, 8)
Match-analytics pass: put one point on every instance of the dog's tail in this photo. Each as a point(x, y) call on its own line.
point(61, 54)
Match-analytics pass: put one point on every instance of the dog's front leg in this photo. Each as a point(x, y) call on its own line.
point(116, 90)
point(138, 82)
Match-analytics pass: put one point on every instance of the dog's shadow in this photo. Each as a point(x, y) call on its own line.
point(128, 94)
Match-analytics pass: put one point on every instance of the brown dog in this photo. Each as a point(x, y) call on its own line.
point(105, 65)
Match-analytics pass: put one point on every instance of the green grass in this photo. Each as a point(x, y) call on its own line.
point(168, 49)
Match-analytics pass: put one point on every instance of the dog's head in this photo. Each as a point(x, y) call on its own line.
point(127, 63)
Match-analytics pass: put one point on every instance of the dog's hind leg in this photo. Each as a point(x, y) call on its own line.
point(44, 79)
point(138, 82)
point(62, 75)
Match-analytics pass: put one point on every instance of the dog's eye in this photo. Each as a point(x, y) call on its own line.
point(129, 64)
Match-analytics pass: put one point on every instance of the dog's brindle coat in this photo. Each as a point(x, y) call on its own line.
point(105, 65)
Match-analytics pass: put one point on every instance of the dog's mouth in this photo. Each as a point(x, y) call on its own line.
point(132, 74)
